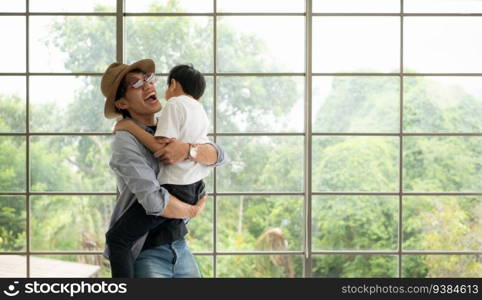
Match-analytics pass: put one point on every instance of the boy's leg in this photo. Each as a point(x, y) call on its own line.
point(188, 193)
point(200, 190)
point(133, 224)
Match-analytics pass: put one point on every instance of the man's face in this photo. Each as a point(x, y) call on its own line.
point(142, 100)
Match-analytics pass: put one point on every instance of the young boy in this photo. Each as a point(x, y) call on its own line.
point(185, 119)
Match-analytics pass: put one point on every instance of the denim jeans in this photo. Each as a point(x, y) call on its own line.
point(173, 260)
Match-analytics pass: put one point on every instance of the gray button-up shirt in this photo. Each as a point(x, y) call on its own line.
point(136, 169)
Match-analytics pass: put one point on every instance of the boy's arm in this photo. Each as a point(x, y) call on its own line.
point(145, 138)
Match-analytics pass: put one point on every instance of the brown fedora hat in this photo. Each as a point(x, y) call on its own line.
point(112, 78)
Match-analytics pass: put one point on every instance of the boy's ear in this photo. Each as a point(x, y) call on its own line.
point(173, 85)
point(177, 87)
point(121, 103)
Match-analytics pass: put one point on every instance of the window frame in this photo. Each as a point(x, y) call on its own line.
point(307, 252)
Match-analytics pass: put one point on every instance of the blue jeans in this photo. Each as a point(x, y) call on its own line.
point(173, 260)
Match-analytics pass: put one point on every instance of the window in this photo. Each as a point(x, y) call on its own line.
point(353, 129)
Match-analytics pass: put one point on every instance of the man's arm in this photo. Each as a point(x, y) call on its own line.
point(175, 151)
point(177, 209)
point(129, 163)
point(152, 143)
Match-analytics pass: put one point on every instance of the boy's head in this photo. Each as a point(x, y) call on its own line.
point(185, 80)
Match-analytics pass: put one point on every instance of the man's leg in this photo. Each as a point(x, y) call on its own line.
point(133, 224)
point(157, 262)
point(185, 265)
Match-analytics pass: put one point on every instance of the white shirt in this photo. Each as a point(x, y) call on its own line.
point(184, 119)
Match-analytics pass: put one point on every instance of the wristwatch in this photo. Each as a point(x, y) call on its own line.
point(192, 151)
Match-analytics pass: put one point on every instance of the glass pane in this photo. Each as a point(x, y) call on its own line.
point(178, 40)
point(13, 58)
point(12, 223)
point(260, 223)
point(266, 6)
point(72, 6)
point(253, 44)
point(12, 104)
point(70, 223)
point(355, 222)
point(76, 105)
point(356, 6)
point(259, 266)
point(349, 266)
point(55, 47)
point(12, 6)
point(445, 223)
point(442, 164)
point(207, 100)
point(260, 104)
point(355, 164)
point(442, 44)
point(261, 164)
point(356, 104)
point(13, 266)
point(69, 266)
point(169, 6)
point(442, 104)
point(71, 164)
point(205, 264)
point(200, 237)
point(442, 6)
point(440, 266)
point(369, 44)
point(13, 164)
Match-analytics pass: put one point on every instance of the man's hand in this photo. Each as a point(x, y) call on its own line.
point(176, 209)
point(174, 152)
point(198, 208)
point(123, 125)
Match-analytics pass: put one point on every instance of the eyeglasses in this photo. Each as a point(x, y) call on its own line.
point(137, 83)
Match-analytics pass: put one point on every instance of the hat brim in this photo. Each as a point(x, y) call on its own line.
point(146, 65)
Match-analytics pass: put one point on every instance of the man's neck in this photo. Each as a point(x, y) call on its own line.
point(149, 120)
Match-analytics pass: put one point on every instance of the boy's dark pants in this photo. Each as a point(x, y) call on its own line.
point(134, 223)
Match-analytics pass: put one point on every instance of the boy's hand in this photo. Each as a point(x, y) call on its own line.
point(123, 125)
point(164, 140)
point(175, 151)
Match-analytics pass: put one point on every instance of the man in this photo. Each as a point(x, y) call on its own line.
point(163, 251)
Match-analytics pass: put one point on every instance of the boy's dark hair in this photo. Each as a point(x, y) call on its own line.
point(191, 80)
point(121, 91)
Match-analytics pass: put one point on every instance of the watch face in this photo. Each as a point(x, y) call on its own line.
point(193, 151)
